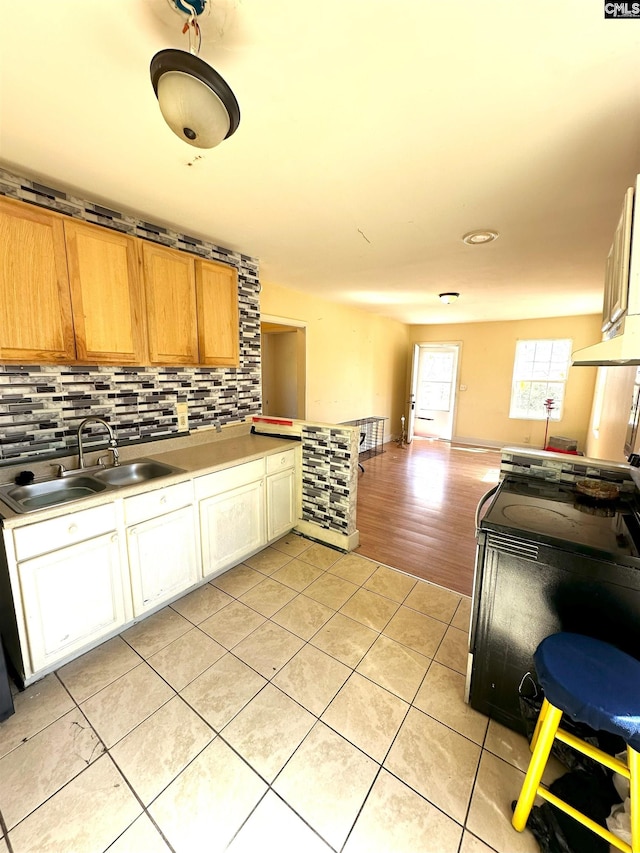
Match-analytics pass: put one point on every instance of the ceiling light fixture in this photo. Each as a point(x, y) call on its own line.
point(477, 238)
point(448, 298)
point(195, 101)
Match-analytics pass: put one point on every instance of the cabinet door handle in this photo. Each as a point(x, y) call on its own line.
point(114, 538)
point(133, 531)
point(163, 499)
point(73, 528)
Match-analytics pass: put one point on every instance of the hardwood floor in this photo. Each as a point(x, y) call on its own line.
point(416, 508)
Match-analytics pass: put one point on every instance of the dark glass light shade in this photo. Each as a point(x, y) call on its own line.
point(195, 101)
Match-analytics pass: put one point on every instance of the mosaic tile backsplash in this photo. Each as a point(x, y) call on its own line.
point(41, 406)
point(564, 469)
point(329, 477)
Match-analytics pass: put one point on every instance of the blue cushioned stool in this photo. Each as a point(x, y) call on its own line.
point(593, 683)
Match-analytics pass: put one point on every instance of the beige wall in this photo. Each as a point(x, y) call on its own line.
point(279, 374)
point(610, 414)
point(486, 368)
point(358, 365)
point(356, 361)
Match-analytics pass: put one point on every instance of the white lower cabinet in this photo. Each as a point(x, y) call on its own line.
point(162, 558)
point(280, 504)
point(76, 579)
point(162, 548)
point(232, 525)
point(71, 597)
point(281, 494)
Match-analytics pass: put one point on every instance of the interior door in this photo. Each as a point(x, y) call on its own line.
point(435, 393)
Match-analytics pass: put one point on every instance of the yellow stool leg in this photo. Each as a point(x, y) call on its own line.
point(538, 762)
point(539, 722)
point(633, 760)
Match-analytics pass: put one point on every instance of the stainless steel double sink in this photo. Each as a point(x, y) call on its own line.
point(75, 486)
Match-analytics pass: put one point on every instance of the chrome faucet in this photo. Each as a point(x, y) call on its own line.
point(113, 445)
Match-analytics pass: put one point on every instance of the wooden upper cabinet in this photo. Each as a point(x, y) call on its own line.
point(35, 304)
point(74, 291)
point(170, 291)
point(217, 300)
point(106, 295)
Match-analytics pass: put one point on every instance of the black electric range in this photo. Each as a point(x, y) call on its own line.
point(556, 514)
point(547, 560)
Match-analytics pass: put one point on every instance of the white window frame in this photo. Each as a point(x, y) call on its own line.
point(537, 363)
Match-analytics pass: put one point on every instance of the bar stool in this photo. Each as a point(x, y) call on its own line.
point(596, 684)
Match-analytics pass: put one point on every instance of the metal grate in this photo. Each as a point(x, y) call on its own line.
point(371, 435)
point(513, 545)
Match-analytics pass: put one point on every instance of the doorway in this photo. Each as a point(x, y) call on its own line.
point(284, 369)
point(434, 380)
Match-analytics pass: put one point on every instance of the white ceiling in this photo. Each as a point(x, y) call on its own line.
point(374, 134)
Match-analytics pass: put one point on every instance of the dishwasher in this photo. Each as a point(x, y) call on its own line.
point(547, 561)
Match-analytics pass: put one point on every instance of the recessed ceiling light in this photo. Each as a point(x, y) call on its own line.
point(448, 298)
point(476, 238)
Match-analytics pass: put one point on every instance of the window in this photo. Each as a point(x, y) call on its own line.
point(436, 374)
point(539, 373)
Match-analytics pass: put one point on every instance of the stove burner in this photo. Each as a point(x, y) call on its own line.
point(538, 518)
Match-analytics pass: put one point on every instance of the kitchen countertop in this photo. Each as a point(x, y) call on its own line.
point(194, 460)
point(206, 458)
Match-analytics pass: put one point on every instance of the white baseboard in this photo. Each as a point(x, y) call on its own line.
point(477, 442)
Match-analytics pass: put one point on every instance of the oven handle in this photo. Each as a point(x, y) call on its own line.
point(482, 502)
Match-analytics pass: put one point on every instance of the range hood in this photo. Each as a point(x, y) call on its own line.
point(620, 350)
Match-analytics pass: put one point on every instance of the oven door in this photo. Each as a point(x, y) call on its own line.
point(528, 591)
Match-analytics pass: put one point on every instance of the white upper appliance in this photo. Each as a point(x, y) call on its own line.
point(621, 309)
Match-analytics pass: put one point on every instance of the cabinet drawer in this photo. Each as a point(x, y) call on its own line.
point(158, 502)
point(280, 461)
point(230, 478)
point(45, 536)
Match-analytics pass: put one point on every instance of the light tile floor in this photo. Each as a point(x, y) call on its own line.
point(303, 701)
